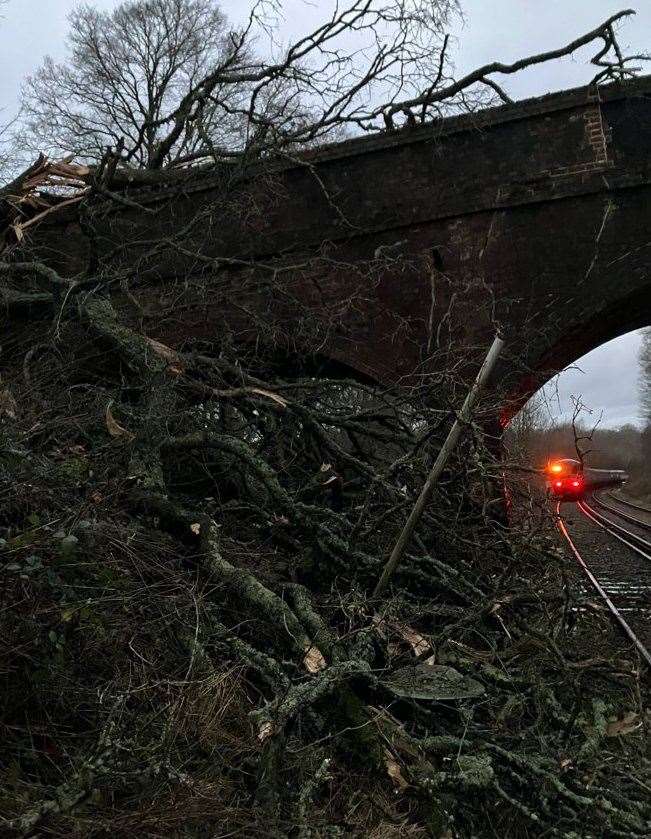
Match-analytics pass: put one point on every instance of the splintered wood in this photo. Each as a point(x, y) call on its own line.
point(46, 187)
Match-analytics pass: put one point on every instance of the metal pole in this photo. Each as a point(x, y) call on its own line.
point(446, 450)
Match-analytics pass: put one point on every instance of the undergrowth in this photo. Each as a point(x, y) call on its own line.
point(189, 646)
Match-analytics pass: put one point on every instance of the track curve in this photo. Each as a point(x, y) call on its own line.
point(641, 520)
point(636, 539)
point(639, 507)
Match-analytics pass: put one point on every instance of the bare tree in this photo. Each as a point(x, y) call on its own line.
point(644, 360)
point(165, 81)
point(528, 426)
point(127, 70)
point(645, 407)
point(6, 149)
point(6, 144)
point(583, 435)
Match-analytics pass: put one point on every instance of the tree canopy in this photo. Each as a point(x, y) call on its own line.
point(164, 82)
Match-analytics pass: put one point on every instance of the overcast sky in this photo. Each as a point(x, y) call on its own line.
point(492, 29)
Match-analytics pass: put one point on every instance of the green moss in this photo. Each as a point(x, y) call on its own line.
point(72, 471)
point(476, 770)
point(437, 819)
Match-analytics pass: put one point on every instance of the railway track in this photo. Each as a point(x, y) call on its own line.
point(622, 578)
point(641, 521)
point(632, 538)
point(639, 507)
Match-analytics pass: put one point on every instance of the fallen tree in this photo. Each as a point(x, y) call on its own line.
point(189, 552)
point(191, 539)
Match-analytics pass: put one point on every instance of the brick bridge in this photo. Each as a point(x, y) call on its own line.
point(536, 215)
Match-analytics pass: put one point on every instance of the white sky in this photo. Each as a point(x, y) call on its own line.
point(493, 29)
point(606, 382)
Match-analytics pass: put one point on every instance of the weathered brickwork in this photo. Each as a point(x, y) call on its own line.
point(597, 140)
point(535, 215)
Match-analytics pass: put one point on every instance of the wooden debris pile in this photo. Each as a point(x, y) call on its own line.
point(45, 187)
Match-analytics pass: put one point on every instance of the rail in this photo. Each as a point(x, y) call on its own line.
point(598, 500)
point(620, 500)
point(632, 540)
point(617, 615)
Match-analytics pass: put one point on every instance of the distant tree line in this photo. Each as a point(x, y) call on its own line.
point(645, 404)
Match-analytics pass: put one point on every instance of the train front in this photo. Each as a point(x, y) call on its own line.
point(565, 480)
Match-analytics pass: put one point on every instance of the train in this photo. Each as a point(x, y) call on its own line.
point(570, 480)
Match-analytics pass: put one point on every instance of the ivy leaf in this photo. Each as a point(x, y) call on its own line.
point(115, 429)
point(629, 722)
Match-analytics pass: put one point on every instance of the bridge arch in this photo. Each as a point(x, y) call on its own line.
point(546, 211)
